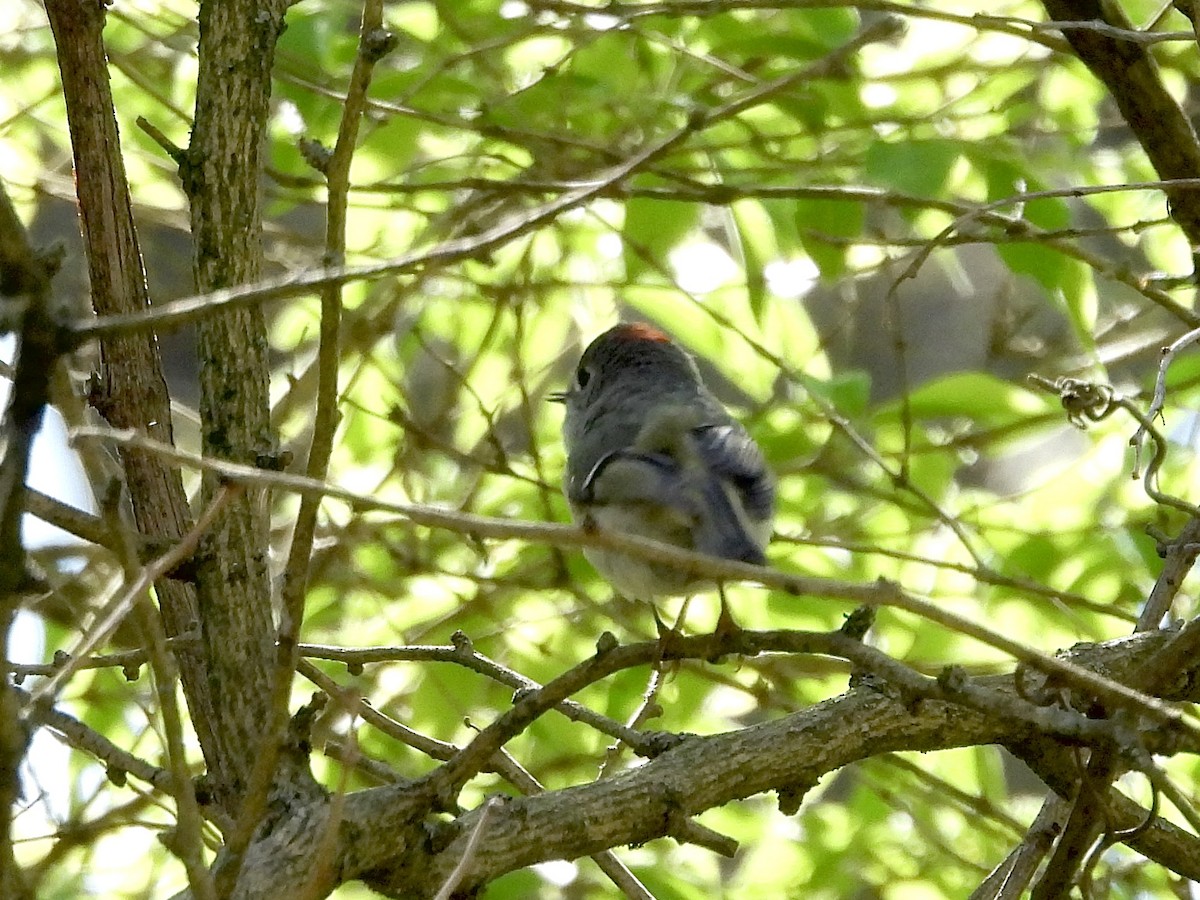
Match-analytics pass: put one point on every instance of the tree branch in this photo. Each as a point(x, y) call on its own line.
point(387, 843)
point(132, 392)
point(879, 593)
point(373, 44)
point(24, 280)
point(1132, 77)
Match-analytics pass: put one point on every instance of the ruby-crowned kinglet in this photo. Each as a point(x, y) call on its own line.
point(651, 452)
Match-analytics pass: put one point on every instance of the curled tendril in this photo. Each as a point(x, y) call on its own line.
point(1088, 401)
point(1084, 401)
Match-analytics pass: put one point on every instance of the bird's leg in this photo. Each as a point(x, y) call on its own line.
point(669, 635)
point(678, 626)
point(726, 626)
point(659, 625)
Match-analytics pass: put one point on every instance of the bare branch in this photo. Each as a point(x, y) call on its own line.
point(879, 593)
point(118, 606)
point(24, 282)
point(295, 583)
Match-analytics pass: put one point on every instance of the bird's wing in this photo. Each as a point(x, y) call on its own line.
point(631, 476)
point(708, 501)
point(733, 456)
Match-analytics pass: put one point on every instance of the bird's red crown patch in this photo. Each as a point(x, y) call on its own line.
point(640, 331)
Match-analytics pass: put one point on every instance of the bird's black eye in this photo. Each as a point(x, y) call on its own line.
point(582, 377)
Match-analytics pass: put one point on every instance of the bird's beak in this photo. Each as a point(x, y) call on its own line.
point(557, 397)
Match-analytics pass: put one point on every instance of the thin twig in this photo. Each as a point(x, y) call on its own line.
point(468, 854)
point(128, 660)
point(627, 11)
point(1011, 879)
point(1165, 786)
point(117, 761)
point(181, 312)
point(1021, 198)
point(1160, 383)
point(878, 593)
point(188, 842)
point(295, 582)
point(118, 607)
point(462, 653)
point(1132, 35)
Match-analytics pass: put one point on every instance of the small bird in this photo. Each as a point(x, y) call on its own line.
point(651, 452)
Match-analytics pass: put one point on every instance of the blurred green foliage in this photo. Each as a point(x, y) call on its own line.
point(893, 407)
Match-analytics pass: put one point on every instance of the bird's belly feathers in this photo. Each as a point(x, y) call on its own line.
point(634, 577)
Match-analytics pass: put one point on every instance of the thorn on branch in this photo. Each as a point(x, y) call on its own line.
point(177, 154)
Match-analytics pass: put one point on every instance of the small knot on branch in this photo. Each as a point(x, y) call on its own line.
point(376, 44)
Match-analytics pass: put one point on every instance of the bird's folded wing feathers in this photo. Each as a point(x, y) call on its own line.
point(732, 454)
point(631, 476)
point(707, 498)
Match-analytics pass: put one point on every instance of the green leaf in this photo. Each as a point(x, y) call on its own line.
point(652, 228)
point(977, 396)
point(921, 168)
point(757, 243)
point(834, 218)
point(849, 391)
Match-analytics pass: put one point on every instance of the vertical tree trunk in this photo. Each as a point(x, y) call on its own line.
point(221, 177)
point(131, 392)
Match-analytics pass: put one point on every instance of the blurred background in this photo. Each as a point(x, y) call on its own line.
point(823, 255)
